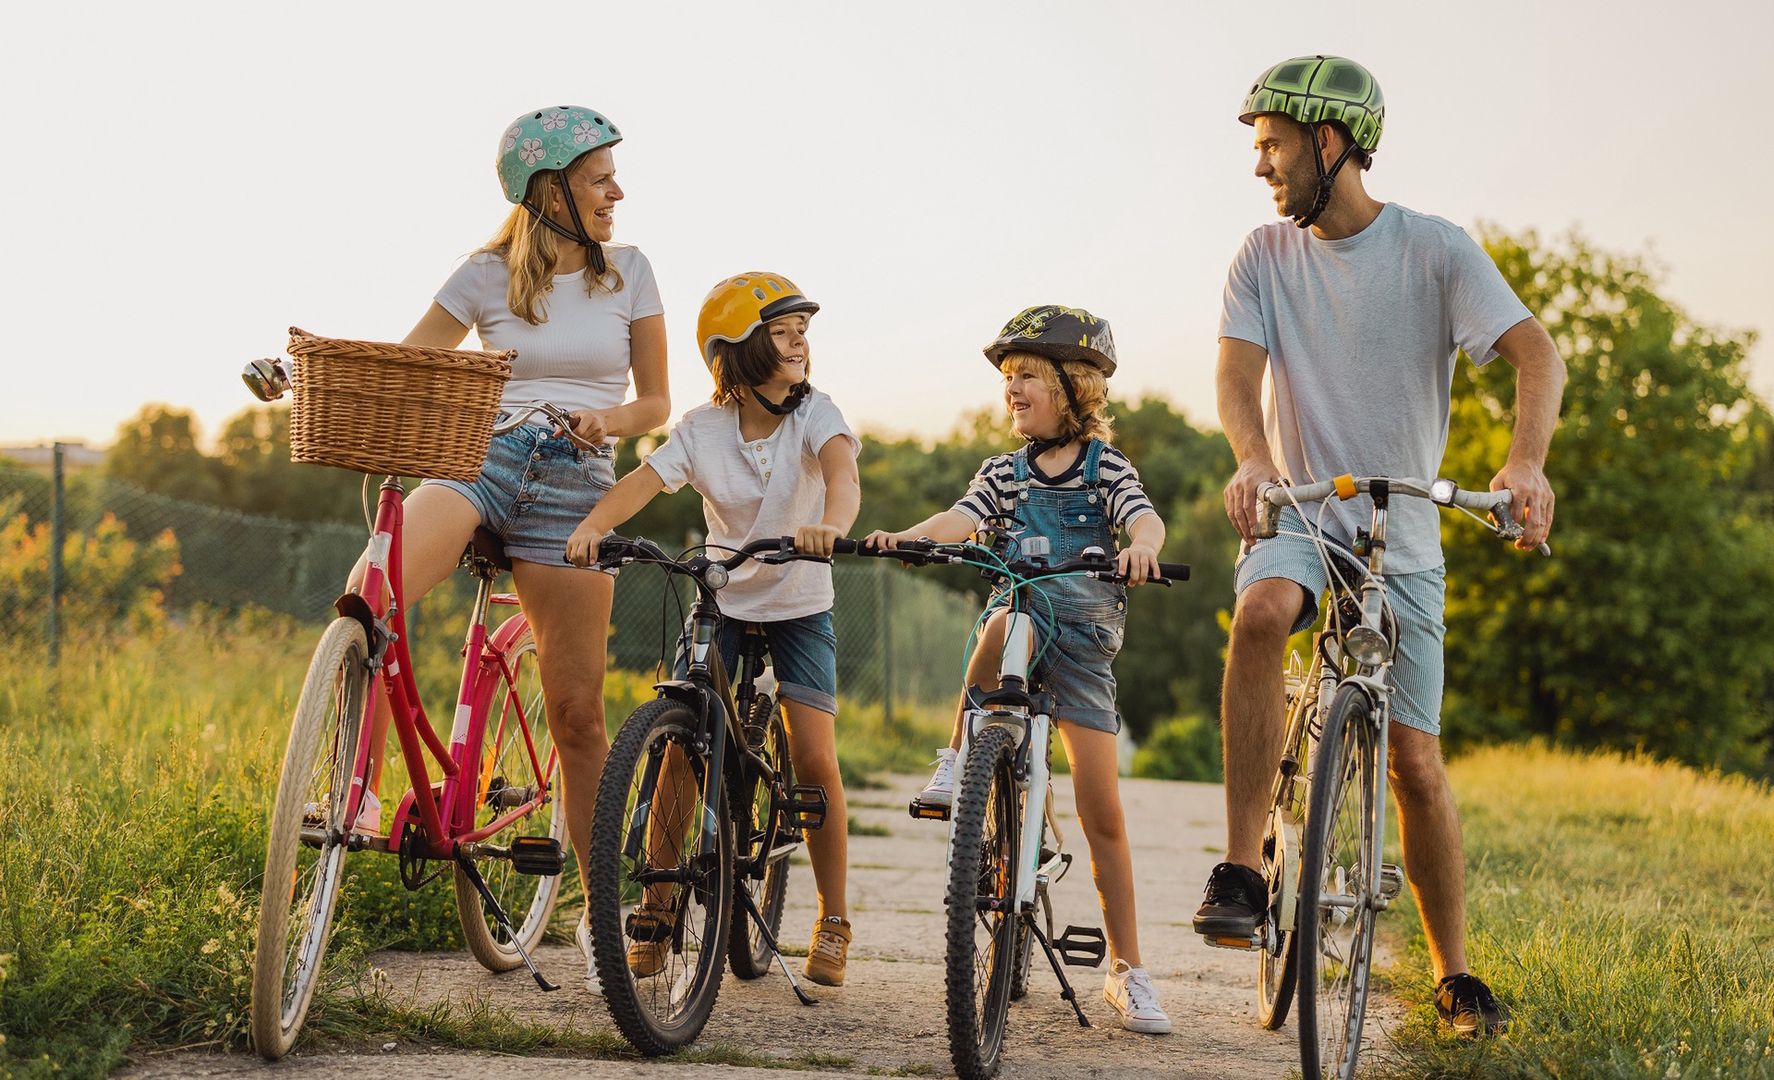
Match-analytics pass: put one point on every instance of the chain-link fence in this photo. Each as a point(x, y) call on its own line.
point(94, 550)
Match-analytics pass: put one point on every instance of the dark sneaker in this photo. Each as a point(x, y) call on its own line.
point(1467, 1003)
point(1236, 902)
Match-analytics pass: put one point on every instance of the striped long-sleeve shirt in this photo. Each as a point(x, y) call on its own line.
point(991, 488)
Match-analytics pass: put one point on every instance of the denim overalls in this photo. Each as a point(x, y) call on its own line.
point(1083, 627)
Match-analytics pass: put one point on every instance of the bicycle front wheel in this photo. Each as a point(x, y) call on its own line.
point(661, 881)
point(982, 919)
point(1277, 963)
point(762, 848)
point(1335, 937)
point(509, 778)
point(305, 837)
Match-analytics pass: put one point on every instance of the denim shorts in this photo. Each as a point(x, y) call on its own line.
point(535, 488)
point(1077, 665)
point(803, 657)
point(1418, 600)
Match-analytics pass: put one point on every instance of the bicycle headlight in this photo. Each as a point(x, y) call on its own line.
point(1367, 645)
point(715, 577)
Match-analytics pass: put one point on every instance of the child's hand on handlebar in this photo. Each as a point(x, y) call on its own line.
point(817, 539)
point(583, 544)
point(882, 540)
point(1137, 563)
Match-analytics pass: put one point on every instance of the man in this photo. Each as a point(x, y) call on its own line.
point(1358, 314)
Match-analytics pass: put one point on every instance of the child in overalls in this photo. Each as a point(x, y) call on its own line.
point(1070, 486)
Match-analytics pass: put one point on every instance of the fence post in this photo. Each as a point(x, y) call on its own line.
point(57, 536)
point(886, 575)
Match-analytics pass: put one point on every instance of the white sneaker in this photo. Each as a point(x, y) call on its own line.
point(1130, 991)
point(582, 935)
point(941, 788)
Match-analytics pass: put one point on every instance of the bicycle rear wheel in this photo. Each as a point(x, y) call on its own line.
point(659, 906)
point(982, 919)
point(305, 838)
point(508, 779)
point(754, 806)
point(1337, 904)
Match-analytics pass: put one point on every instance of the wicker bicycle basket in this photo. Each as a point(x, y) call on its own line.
point(378, 407)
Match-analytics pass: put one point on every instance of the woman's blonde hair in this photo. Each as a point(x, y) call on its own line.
point(1088, 384)
point(531, 251)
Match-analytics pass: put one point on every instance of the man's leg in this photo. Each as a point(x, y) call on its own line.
point(1429, 827)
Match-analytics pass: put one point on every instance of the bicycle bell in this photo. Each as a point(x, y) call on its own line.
point(267, 379)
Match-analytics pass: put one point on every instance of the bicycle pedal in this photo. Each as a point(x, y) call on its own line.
point(648, 926)
point(540, 856)
point(806, 806)
point(929, 811)
point(1081, 946)
point(1232, 941)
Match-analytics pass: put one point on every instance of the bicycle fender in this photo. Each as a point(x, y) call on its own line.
point(352, 606)
point(681, 690)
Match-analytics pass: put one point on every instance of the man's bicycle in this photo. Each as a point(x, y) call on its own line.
point(697, 814)
point(1002, 858)
point(1327, 822)
point(492, 815)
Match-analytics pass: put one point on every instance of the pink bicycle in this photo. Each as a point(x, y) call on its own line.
point(491, 814)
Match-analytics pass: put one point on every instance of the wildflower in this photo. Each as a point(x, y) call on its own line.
point(210, 946)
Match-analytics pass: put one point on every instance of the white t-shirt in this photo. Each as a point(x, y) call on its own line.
point(757, 490)
point(1361, 334)
point(578, 356)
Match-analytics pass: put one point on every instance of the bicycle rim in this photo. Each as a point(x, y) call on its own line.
point(660, 946)
point(1335, 945)
point(508, 779)
point(982, 921)
point(1277, 964)
point(305, 841)
point(749, 952)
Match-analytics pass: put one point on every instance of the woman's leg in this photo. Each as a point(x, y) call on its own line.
point(813, 747)
point(569, 610)
point(436, 524)
point(1097, 792)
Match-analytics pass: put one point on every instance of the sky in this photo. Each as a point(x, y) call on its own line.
point(189, 180)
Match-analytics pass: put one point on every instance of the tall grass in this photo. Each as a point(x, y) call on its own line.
point(1624, 907)
point(134, 784)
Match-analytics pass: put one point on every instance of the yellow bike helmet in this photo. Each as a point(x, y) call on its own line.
point(740, 304)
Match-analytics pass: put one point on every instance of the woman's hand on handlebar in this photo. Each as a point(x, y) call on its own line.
point(589, 427)
point(817, 539)
point(1137, 563)
point(583, 544)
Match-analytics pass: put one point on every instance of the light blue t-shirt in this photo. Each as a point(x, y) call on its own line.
point(1362, 334)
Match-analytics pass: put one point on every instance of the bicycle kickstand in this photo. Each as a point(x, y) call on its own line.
point(1066, 991)
point(751, 908)
point(473, 873)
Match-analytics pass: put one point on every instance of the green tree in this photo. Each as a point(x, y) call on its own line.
point(253, 453)
point(157, 449)
point(1651, 626)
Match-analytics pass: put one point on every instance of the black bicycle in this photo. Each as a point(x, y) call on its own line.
point(697, 814)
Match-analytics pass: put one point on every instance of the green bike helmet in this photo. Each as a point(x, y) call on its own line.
point(549, 140)
point(1315, 90)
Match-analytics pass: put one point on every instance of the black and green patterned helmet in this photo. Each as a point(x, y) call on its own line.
point(1320, 89)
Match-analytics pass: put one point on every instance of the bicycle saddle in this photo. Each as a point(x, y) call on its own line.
point(488, 548)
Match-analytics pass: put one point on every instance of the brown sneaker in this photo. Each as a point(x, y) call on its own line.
point(829, 952)
point(649, 934)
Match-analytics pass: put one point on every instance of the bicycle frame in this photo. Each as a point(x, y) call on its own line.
point(446, 820)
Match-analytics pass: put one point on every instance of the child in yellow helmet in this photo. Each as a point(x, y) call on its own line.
point(771, 456)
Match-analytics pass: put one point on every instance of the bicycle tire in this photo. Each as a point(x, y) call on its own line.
point(983, 857)
point(664, 1010)
point(1278, 966)
point(1025, 938)
point(505, 773)
point(316, 776)
point(748, 953)
point(1340, 851)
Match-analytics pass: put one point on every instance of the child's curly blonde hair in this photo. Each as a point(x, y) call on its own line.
point(1088, 383)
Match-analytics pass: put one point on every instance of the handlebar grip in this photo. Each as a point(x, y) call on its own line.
point(843, 545)
point(1175, 571)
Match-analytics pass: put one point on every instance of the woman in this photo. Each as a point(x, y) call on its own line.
point(585, 317)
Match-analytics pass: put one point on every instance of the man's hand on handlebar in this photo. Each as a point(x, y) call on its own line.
point(1532, 504)
point(1241, 494)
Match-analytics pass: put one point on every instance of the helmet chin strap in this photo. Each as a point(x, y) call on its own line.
point(796, 394)
point(1037, 447)
point(594, 251)
point(1326, 180)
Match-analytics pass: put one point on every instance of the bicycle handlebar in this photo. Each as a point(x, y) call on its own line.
point(1273, 497)
point(930, 553)
point(562, 420)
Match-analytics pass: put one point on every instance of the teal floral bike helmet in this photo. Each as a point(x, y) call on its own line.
point(549, 140)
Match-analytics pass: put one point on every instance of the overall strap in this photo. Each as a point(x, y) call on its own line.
point(1093, 459)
